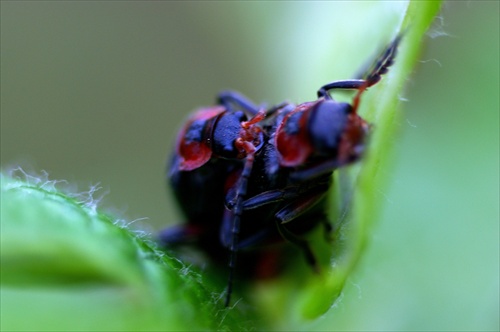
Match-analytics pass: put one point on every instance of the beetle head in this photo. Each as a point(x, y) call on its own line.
point(336, 131)
point(230, 130)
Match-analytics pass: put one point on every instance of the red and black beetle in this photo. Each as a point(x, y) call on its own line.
point(213, 143)
point(245, 177)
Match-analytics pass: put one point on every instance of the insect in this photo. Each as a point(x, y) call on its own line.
point(212, 144)
point(246, 176)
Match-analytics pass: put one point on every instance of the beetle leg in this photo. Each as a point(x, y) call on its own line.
point(269, 197)
point(225, 98)
point(271, 111)
point(254, 239)
point(225, 229)
point(295, 210)
point(299, 242)
point(238, 210)
point(281, 195)
point(300, 206)
point(228, 97)
point(380, 67)
point(345, 85)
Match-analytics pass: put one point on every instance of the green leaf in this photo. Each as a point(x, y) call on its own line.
point(66, 266)
point(381, 108)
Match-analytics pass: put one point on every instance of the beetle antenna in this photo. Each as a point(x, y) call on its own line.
point(381, 66)
point(229, 98)
point(384, 61)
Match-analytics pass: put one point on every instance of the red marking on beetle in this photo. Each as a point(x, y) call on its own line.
point(194, 154)
point(355, 131)
point(295, 148)
point(352, 139)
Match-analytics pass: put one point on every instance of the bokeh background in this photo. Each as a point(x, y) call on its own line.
point(93, 92)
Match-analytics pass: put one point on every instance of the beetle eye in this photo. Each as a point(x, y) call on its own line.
point(326, 124)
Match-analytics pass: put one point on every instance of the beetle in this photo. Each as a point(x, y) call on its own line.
point(211, 145)
point(245, 177)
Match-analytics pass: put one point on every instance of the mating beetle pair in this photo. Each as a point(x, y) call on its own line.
point(245, 177)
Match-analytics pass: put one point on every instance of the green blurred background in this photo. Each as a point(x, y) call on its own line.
point(93, 92)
